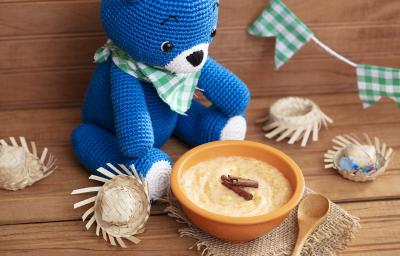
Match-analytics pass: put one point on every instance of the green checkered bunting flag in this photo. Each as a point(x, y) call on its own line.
point(375, 82)
point(177, 90)
point(280, 22)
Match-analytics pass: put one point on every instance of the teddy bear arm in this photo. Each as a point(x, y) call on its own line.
point(133, 125)
point(224, 89)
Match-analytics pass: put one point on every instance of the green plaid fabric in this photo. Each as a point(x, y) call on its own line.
point(375, 82)
point(177, 90)
point(280, 22)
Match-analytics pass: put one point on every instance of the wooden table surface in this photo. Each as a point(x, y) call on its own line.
point(40, 220)
point(46, 50)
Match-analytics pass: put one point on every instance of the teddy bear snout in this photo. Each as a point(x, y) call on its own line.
point(195, 58)
point(190, 60)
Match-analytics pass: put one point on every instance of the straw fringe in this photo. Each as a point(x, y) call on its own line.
point(295, 119)
point(120, 180)
point(27, 167)
point(341, 142)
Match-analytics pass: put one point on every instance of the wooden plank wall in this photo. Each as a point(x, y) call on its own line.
point(46, 47)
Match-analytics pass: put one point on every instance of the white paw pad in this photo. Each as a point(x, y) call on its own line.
point(158, 179)
point(235, 129)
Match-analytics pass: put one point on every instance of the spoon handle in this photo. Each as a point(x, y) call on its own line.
point(304, 232)
point(299, 246)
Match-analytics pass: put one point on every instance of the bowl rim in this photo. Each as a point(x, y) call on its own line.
point(233, 220)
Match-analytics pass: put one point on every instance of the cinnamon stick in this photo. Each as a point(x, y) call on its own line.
point(238, 181)
point(225, 178)
point(238, 190)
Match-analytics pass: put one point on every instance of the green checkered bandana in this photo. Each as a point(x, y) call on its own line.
point(177, 90)
point(280, 22)
point(375, 82)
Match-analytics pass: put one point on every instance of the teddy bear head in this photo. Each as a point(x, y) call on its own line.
point(170, 34)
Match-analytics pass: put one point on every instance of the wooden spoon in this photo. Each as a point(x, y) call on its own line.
point(313, 210)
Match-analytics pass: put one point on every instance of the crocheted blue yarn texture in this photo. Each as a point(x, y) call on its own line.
point(139, 27)
point(124, 119)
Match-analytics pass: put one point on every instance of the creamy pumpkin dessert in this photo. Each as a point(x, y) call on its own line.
point(236, 186)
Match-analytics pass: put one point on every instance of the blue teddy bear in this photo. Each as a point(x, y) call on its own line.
point(141, 91)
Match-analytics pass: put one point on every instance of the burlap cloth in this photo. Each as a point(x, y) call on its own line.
point(331, 236)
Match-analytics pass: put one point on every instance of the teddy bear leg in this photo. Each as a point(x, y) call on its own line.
point(156, 166)
point(95, 147)
point(203, 124)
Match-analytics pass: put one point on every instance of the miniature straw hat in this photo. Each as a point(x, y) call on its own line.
point(21, 167)
point(121, 206)
point(365, 152)
point(296, 119)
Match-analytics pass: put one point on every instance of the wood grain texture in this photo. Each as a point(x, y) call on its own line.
point(41, 17)
point(161, 238)
point(47, 48)
point(231, 45)
point(379, 233)
point(71, 238)
point(55, 87)
point(52, 128)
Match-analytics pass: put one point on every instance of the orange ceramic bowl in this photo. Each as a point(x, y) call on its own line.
point(237, 229)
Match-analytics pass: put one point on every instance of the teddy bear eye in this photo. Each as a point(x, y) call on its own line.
point(214, 32)
point(167, 46)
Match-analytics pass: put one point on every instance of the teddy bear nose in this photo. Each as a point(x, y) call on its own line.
point(195, 58)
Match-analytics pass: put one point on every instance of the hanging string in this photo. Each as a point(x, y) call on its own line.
point(332, 52)
point(374, 82)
